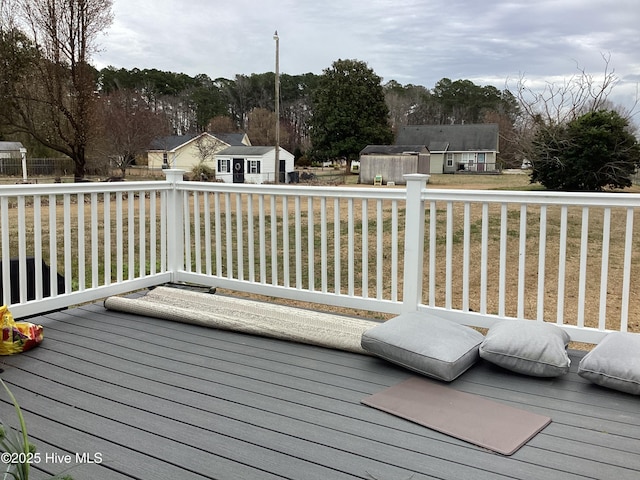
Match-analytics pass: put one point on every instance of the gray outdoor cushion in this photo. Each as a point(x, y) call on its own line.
point(426, 344)
point(532, 348)
point(614, 363)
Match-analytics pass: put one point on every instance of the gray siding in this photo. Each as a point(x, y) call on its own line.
point(391, 167)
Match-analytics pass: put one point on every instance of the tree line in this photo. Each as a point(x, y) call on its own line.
point(196, 104)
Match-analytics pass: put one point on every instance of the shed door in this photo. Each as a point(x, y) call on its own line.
point(238, 170)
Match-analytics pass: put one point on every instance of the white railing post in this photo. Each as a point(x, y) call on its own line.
point(413, 242)
point(175, 223)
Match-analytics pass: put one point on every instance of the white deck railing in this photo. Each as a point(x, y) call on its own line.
point(473, 256)
point(115, 244)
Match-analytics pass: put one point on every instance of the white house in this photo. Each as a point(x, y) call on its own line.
point(188, 151)
point(248, 164)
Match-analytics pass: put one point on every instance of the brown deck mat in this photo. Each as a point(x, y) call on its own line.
point(472, 418)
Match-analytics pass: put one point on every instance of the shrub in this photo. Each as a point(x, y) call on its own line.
point(203, 173)
point(590, 153)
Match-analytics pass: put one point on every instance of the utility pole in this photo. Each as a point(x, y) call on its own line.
point(277, 169)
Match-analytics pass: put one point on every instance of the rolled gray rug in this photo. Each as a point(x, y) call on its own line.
point(248, 316)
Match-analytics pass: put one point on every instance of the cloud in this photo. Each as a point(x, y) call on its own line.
point(416, 41)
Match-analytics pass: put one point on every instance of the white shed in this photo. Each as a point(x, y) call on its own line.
point(13, 151)
point(243, 164)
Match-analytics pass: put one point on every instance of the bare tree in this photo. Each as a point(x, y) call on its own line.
point(402, 101)
point(222, 124)
point(262, 130)
point(556, 104)
point(206, 148)
point(52, 97)
point(508, 156)
point(128, 127)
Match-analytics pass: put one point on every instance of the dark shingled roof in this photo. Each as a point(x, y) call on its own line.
point(393, 149)
point(233, 139)
point(244, 150)
point(451, 138)
point(172, 142)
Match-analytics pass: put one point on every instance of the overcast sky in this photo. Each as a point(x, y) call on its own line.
point(414, 41)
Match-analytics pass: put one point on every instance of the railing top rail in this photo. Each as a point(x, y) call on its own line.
point(75, 188)
point(296, 190)
point(600, 199)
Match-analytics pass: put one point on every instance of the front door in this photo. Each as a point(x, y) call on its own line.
point(481, 162)
point(238, 170)
point(283, 172)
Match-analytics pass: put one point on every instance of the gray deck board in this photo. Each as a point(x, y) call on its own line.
point(160, 400)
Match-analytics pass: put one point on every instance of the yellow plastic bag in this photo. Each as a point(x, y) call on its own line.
point(18, 336)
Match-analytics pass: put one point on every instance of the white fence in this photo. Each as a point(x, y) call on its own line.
point(473, 256)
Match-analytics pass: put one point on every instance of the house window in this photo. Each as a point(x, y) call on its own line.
point(449, 159)
point(468, 159)
point(254, 166)
point(165, 160)
point(224, 165)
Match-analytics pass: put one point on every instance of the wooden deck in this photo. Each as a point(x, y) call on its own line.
point(150, 399)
